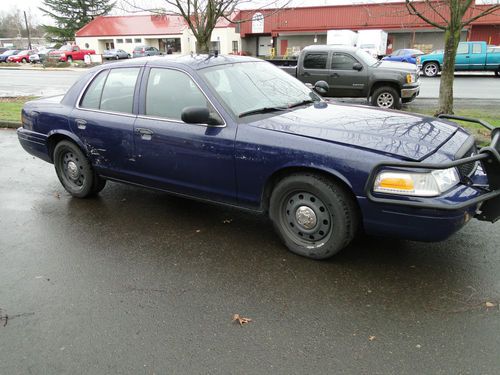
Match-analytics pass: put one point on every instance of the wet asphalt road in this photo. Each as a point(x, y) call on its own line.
point(483, 86)
point(138, 282)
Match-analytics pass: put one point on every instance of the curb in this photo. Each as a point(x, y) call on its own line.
point(10, 124)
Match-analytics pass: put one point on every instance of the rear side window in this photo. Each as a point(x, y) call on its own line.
point(169, 92)
point(92, 98)
point(113, 91)
point(315, 61)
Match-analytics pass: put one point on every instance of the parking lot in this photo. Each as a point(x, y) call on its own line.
point(136, 281)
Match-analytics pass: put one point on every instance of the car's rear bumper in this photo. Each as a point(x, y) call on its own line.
point(34, 143)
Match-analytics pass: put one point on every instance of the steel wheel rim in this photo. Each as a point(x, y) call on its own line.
point(306, 218)
point(430, 69)
point(385, 100)
point(71, 170)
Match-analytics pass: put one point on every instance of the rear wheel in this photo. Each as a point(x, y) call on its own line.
point(69, 59)
point(431, 69)
point(24, 61)
point(75, 171)
point(314, 216)
point(386, 97)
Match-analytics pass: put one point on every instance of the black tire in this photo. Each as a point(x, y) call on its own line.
point(430, 69)
point(497, 73)
point(69, 59)
point(408, 100)
point(386, 97)
point(117, 57)
point(322, 234)
point(75, 171)
point(24, 61)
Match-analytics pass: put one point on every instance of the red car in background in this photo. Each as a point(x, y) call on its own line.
point(22, 56)
point(69, 53)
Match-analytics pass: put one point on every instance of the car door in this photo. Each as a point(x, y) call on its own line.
point(344, 80)
point(104, 120)
point(192, 159)
point(463, 57)
point(477, 57)
point(314, 67)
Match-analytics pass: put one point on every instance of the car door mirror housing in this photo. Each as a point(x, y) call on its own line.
point(321, 87)
point(358, 67)
point(196, 115)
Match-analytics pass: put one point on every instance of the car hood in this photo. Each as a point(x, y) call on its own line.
point(396, 65)
point(406, 136)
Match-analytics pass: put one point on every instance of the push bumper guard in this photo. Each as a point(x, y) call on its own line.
point(489, 201)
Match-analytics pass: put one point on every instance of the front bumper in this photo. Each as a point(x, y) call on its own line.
point(483, 203)
point(410, 92)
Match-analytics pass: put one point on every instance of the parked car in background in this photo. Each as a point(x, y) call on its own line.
point(4, 56)
point(241, 132)
point(115, 54)
point(40, 56)
point(70, 53)
point(352, 73)
point(341, 37)
point(21, 57)
point(471, 56)
point(404, 55)
point(141, 51)
point(4, 49)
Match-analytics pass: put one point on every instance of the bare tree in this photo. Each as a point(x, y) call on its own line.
point(451, 16)
point(202, 16)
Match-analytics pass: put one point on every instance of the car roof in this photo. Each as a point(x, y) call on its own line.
point(195, 62)
point(330, 47)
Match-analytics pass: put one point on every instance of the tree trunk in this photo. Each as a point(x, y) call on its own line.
point(203, 43)
point(451, 40)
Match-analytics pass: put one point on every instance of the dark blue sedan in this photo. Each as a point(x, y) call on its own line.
point(404, 55)
point(241, 132)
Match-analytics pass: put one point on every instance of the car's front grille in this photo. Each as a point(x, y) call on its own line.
point(468, 169)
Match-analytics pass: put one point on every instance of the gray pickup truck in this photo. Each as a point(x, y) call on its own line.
point(353, 73)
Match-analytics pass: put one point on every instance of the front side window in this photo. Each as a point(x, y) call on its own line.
point(112, 91)
point(315, 61)
point(476, 48)
point(169, 91)
point(342, 61)
point(463, 48)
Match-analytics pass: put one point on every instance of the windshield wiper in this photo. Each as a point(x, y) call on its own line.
point(307, 101)
point(262, 110)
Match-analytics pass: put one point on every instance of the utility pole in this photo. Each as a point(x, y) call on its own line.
point(28, 29)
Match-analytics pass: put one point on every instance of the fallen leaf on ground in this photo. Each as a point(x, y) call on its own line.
point(227, 221)
point(371, 338)
point(241, 320)
point(57, 195)
point(490, 304)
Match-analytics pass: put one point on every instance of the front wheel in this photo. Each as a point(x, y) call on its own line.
point(69, 59)
point(431, 69)
point(75, 171)
point(24, 61)
point(314, 216)
point(386, 97)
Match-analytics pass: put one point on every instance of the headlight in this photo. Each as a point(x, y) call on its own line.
point(428, 184)
point(410, 78)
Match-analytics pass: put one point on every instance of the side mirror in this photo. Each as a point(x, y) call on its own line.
point(321, 87)
point(195, 115)
point(358, 67)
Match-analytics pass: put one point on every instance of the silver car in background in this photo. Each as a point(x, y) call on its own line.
point(115, 54)
point(141, 51)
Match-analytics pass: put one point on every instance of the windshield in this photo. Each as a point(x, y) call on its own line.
point(250, 86)
point(366, 57)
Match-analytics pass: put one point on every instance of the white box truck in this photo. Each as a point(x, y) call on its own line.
point(373, 41)
point(341, 37)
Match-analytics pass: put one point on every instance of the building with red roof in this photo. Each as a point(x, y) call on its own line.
point(164, 32)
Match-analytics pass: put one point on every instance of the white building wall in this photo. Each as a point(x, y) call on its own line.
point(226, 36)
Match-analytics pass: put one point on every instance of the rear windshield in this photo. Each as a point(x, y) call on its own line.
point(138, 48)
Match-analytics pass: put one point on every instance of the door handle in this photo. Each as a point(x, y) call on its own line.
point(334, 75)
point(467, 57)
point(81, 124)
point(144, 133)
point(306, 74)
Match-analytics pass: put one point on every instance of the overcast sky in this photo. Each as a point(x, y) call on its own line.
point(32, 5)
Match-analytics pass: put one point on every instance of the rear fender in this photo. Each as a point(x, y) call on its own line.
point(55, 135)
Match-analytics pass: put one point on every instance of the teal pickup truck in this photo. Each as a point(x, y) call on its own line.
point(471, 56)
